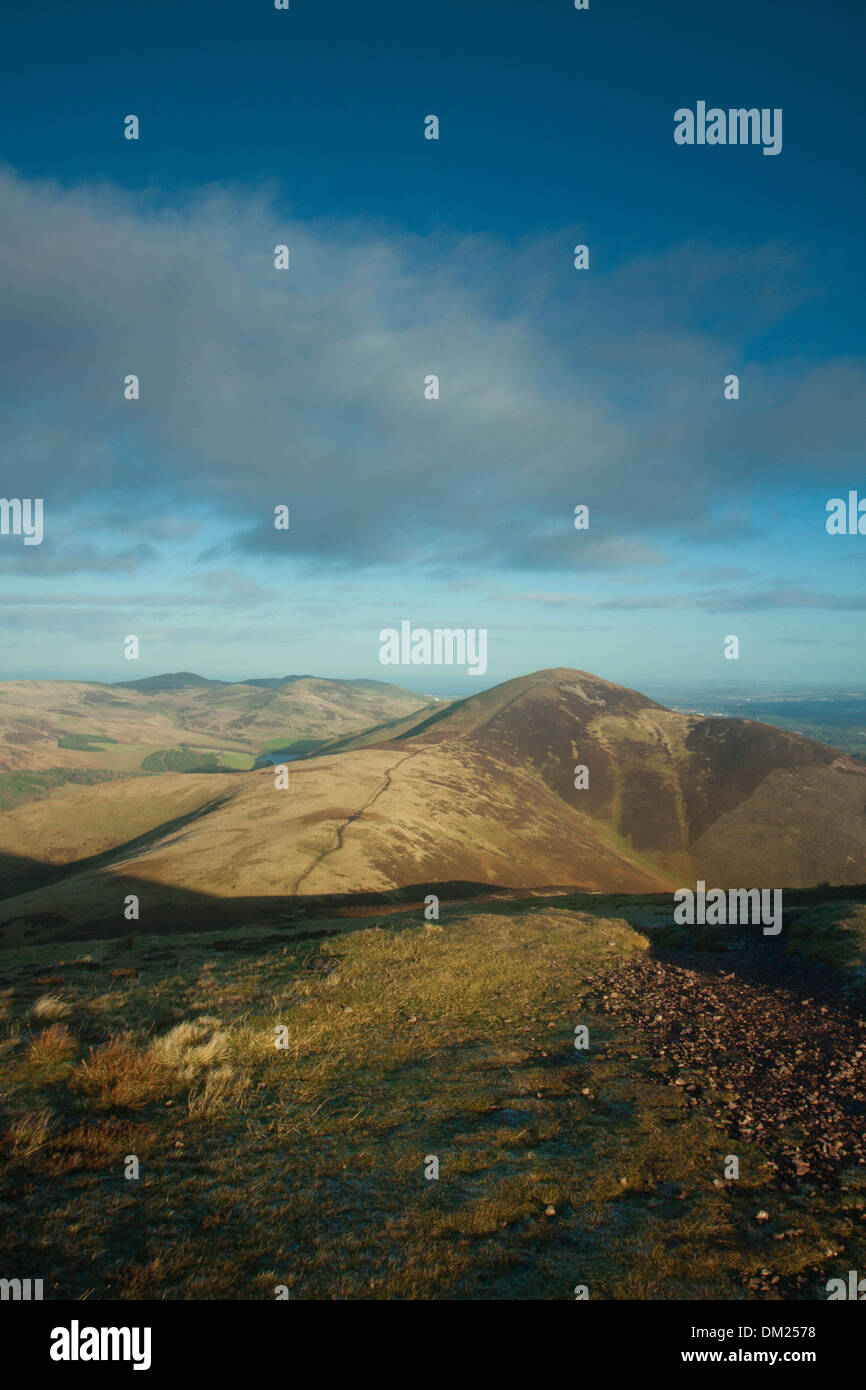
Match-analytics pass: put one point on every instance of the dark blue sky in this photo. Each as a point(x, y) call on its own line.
point(549, 115)
point(556, 127)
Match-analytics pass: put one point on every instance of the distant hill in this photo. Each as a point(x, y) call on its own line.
point(180, 680)
point(479, 791)
point(54, 724)
point(383, 687)
point(272, 682)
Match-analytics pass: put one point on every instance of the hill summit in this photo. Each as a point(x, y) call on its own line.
point(556, 778)
point(179, 680)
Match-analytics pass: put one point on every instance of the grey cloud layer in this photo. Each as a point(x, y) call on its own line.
point(714, 601)
point(306, 387)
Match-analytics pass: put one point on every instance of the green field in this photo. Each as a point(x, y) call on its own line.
point(293, 745)
point(239, 762)
point(196, 760)
point(84, 743)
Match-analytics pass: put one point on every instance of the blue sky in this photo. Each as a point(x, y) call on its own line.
point(411, 257)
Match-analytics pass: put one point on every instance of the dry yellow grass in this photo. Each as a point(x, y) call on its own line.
point(50, 1007)
point(28, 1134)
point(219, 1090)
point(53, 1044)
point(120, 1074)
point(191, 1048)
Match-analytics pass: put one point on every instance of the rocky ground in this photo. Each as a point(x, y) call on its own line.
point(771, 1044)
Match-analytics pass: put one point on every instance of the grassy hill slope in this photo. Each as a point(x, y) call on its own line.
point(481, 791)
point(305, 1167)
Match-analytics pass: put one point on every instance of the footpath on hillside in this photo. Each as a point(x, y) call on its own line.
point(770, 1044)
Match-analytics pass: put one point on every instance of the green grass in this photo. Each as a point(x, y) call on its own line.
point(297, 745)
point(187, 759)
point(835, 934)
point(826, 925)
point(239, 762)
point(181, 760)
point(304, 1167)
point(84, 743)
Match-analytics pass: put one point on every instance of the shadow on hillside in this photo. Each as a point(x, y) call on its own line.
point(167, 909)
point(20, 874)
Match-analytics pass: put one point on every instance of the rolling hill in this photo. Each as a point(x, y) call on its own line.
point(481, 791)
point(41, 722)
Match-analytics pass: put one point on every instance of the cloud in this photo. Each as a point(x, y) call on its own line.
point(718, 574)
point(305, 388)
point(716, 601)
point(71, 557)
point(785, 596)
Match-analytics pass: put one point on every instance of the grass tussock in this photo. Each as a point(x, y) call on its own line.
point(50, 1008)
point(28, 1134)
point(191, 1048)
point(119, 1074)
point(53, 1044)
point(221, 1090)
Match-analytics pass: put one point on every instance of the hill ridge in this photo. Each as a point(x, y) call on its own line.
point(555, 777)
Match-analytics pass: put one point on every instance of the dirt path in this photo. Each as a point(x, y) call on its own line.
point(355, 816)
point(768, 1042)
